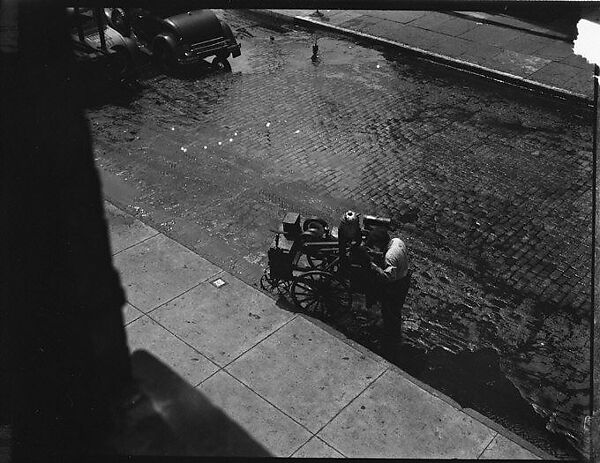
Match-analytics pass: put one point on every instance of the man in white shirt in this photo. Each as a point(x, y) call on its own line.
point(392, 280)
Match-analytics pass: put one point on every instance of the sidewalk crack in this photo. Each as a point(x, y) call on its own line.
point(488, 444)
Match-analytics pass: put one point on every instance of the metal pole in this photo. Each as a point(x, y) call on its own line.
point(78, 22)
point(99, 14)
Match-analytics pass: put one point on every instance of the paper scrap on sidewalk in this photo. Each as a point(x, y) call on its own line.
point(218, 283)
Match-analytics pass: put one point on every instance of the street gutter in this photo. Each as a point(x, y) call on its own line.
point(465, 66)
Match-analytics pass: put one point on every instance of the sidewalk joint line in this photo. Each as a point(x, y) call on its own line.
point(209, 376)
point(185, 292)
point(273, 405)
point(263, 339)
point(387, 368)
point(488, 444)
point(139, 242)
point(323, 441)
point(183, 340)
point(136, 308)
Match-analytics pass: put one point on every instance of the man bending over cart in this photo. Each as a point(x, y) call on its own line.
point(390, 280)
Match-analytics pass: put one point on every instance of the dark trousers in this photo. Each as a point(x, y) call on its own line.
point(392, 297)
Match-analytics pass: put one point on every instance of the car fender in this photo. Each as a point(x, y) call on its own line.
point(131, 50)
point(131, 47)
point(164, 39)
point(227, 32)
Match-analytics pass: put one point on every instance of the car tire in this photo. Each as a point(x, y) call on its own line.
point(163, 57)
point(120, 22)
point(221, 63)
point(122, 66)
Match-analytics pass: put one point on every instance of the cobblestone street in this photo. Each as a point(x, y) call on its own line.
point(491, 189)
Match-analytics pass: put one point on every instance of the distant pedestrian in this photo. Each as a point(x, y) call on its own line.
point(391, 280)
point(315, 52)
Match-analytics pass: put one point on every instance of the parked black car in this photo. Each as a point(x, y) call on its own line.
point(173, 37)
point(99, 49)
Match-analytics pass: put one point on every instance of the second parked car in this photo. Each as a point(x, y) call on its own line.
point(174, 37)
point(100, 50)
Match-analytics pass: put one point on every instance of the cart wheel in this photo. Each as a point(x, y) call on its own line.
point(320, 293)
point(282, 287)
point(319, 263)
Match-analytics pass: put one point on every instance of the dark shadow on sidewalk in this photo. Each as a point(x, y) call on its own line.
point(175, 419)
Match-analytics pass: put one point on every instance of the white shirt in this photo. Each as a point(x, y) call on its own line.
point(395, 261)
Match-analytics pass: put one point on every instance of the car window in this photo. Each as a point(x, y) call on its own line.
point(85, 19)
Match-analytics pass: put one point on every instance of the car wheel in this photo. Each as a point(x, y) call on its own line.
point(221, 63)
point(163, 57)
point(120, 22)
point(122, 67)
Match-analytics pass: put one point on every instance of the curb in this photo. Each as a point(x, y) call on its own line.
point(368, 353)
point(550, 35)
point(482, 71)
point(501, 430)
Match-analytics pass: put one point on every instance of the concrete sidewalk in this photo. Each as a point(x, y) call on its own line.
point(297, 387)
point(508, 50)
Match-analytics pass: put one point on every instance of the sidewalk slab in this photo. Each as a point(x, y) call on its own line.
point(340, 17)
point(178, 420)
point(490, 35)
point(222, 323)
point(432, 20)
point(511, 22)
point(479, 53)
point(578, 62)
point(316, 448)
point(277, 432)
point(555, 49)
point(159, 269)
point(527, 44)
point(282, 377)
point(449, 46)
point(503, 448)
point(130, 313)
point(394, 418)
point(518, 63)
point(124, 230)
point(581, 82)
point(402, 17)
point(454, 27)
point(145, 334)
point(361, 23)
point(409, 35)
point(556, 74)
point(307, 373)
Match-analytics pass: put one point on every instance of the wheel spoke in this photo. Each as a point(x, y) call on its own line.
point(322, 307)
point(304, 297)
point(338, 290)
point(310, 304)
point(301, 284)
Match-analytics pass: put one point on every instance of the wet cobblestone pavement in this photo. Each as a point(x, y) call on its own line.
point(492, 189)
